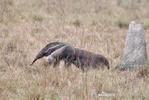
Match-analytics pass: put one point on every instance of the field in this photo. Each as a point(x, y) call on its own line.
point(99, 26)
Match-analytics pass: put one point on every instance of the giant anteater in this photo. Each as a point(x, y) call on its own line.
point(57, 51)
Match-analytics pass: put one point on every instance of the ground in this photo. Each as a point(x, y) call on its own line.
point(99, 26)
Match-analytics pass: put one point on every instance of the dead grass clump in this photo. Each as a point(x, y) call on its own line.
point(9, 2)
point(143, 71)
point(76, 23)
point(123, 67)
point(94, 22)
point(37, 18)
point(79, 93)
point(35, 96)
point(146, 24)
point(98, 86)
point(122, 23)
point(11, 47)
point(1, 47)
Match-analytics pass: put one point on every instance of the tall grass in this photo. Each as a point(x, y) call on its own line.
point(94, 25)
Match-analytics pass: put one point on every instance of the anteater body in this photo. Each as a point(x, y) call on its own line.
point(58, 51)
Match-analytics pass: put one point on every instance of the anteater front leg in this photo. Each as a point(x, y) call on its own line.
point(56, 63)
point(67, 64)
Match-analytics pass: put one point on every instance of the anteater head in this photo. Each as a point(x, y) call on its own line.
point(48, 50)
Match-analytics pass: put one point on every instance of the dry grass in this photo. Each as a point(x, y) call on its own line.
point(95, 25)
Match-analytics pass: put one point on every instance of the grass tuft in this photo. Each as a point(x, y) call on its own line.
point(146, 24)
point(143, 71)
point(76, 23)
point(9, 2)
point(125, 67)
point(37, 18)
point(122, 23)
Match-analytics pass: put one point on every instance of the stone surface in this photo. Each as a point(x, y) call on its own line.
point(135, 46)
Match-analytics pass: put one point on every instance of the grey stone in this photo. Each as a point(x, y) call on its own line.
point(135, 46)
